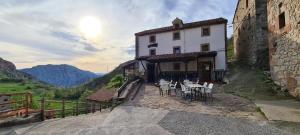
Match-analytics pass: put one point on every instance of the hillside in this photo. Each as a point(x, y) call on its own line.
point(99, 82)
point(60, 75)
point(8, 71)
point(14, 81)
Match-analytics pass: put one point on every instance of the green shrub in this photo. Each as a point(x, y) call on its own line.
point(85, 94)
point(116, 82)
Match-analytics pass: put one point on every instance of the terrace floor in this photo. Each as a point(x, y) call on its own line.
point(222, 105)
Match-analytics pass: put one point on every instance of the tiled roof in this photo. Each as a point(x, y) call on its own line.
point(101, 95)
point(185, 26)
point(178, 57)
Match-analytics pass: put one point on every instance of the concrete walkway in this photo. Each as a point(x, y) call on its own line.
point(131, 120)
point(281, 110)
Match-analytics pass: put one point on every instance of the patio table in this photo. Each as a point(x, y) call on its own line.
point(193, 87)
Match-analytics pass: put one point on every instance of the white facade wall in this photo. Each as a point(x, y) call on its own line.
point(190, 41)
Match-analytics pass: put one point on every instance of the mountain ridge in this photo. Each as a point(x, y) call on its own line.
point(62, 75)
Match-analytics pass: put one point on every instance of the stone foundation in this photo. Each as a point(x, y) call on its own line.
point(284, 44)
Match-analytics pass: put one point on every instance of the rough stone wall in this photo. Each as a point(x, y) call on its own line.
point(284, 44)
point(250, 31)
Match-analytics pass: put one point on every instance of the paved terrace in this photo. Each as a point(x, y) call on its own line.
point(151, 114)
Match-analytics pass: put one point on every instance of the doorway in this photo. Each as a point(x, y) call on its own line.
point(205, 69)
point(151, 73)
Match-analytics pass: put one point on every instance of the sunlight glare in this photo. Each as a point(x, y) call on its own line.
point(90, 26)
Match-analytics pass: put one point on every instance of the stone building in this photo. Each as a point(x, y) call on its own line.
point(284, 43)
point(250, 32)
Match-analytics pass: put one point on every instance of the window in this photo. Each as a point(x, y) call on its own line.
point(204, 47)
point(249, 17)
point(176, 50)
point(247, 3)
point(281, 17)
point(176, 25)
point(152, 52)
point(152, 39)
point(176, 36)
point(206, 31)
point(282, 20)
point(176, 66)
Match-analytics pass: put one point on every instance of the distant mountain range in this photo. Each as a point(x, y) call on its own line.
point(60, 75)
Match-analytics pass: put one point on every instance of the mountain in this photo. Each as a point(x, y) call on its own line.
point(60, 75)
point(8, 71)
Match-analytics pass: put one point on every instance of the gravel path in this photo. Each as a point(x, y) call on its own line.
point(187, 123)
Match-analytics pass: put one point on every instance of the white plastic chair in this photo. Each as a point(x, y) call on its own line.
point(173, 87)
point(208, 91)
point(185, 91)
point(164, 88)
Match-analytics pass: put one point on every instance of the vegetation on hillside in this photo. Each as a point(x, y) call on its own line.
point(100, 82)
point(116, 82)
point(253, 83)
point(230, 49)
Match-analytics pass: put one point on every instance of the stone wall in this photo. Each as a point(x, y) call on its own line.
point(284, 44)
point(250, 32)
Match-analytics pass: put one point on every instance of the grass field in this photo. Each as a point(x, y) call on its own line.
point(38, 91)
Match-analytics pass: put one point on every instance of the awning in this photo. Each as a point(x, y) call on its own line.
point(178, 57)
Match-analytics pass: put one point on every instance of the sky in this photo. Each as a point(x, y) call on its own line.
point(39, 32)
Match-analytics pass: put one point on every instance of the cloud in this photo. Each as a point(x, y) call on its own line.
point(46, 31)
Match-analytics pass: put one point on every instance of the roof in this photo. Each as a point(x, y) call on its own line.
point(185, 26)
point(177, 57)
point(101, 95)
point(128, 63)
point(236, 10)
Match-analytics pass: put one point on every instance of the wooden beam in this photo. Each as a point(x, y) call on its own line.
point(198, 68)
point(186, 68)
point(159, 68)
point(143, 65)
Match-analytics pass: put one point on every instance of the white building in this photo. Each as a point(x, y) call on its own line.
point(195, 50)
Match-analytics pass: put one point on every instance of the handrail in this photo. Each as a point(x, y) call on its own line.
point(122, 87)
point(25, 103)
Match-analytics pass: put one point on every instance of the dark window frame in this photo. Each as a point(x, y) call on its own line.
point(176, 35)
point(174, 49)
point(281, 21)
point(176, 25)
point(151, 52)
point(176, 66)
point(152, 39)
point(205, 33)
point(208, 47)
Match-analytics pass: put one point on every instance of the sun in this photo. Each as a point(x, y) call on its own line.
point(90, 26)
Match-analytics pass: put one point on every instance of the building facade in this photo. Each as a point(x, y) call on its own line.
point(194, 50)
point(250, 30)
point(284, 43)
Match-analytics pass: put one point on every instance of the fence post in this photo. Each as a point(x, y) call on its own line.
point(30, 98)
point(63, 108)
point(77, 111)
point(93, 107)
point(100, 106)
point(43, 109)
point(27, 104)
point(86, 107)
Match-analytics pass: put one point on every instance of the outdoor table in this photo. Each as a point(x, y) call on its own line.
point(193, 87)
